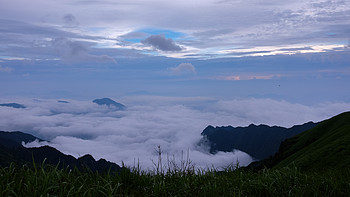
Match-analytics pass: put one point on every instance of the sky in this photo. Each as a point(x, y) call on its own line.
point(243, 55)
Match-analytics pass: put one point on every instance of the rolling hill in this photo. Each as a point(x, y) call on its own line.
point(324, 147)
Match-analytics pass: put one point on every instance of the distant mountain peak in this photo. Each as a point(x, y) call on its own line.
point(62, 101)
point(110, 103)
point(14, 105)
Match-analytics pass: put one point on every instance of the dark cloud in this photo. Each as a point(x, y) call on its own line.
point(70, 20)
point(161, 43)
point(32, 41)
point(74, 51)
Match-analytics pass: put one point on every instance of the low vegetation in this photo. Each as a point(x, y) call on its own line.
point(48, 180)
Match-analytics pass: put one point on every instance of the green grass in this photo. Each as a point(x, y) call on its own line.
point(50, 181)
point(325, 146)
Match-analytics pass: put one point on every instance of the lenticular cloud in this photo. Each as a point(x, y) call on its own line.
point(134, 135)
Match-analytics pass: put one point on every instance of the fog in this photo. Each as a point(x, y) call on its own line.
point(172, 123)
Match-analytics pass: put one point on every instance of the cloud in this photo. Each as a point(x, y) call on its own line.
point(283, 50)
point(174, 124)
point(5, 69)
point(161, 43)
point(44, 42)
point(74, 51)
point(70, 20)
point(247, 77)
point(183, 68)
point(134, 35)
point(256, 24)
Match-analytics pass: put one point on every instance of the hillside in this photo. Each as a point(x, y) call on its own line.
point(12, 150)
point(259, 141)
point(325, 147)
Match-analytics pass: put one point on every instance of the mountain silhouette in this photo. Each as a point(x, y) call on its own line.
point(62, 101)
point(14, 105)
point(259, 141)
point(12, 151)
point(110, 103)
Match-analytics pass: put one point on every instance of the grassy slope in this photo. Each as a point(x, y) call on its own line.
point(49, 181)
point(327, 146)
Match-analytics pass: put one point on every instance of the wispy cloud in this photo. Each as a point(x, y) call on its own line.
point(247, 77)
point(74, 51)
point(33, 42)
point(283, 50)
point(214, 26)
point(5, 69)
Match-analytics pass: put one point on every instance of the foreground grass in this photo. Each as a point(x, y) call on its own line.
point(50, 181)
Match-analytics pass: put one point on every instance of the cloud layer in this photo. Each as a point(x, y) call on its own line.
point(174, 124)
point(210, 28)
point(74, 51)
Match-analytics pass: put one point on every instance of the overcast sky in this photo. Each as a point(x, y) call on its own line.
point(223, 51)
point(287, 50)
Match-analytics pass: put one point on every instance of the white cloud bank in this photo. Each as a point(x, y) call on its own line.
point(183, 68)
point(174, 124)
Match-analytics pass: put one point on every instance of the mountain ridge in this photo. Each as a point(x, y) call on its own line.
point(259, 141)
point(12, 151)
point(324, 147)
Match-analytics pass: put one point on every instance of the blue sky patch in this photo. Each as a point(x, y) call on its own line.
point(144, 33)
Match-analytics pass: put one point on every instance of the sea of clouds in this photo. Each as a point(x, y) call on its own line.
point(133, 136)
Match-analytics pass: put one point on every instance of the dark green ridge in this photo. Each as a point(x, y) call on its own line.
point(325, 147)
